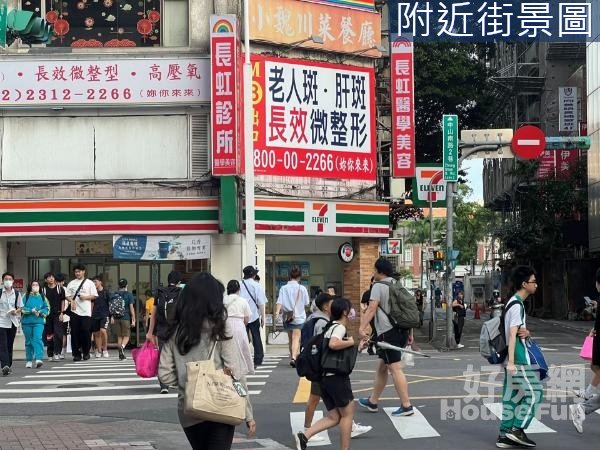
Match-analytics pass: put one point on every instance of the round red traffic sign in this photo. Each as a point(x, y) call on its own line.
point(528, 142)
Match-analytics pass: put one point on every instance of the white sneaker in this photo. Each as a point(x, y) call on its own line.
point(98, 355)
point(39, 363)
point(460, 346)
point(29, 365)
point(358, 429)
point(55, 358)
point(577, 416)
point(105, 354)
point(61, 356)
point(315, 438)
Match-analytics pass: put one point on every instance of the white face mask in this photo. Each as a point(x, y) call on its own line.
point(35, 289)
point(8, 284)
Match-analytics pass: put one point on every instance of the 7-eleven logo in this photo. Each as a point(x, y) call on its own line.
point(319, 216)
point(431, 177)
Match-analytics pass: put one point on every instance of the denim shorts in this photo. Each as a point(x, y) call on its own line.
point(292, 326)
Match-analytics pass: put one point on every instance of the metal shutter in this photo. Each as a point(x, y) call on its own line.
point(200, 161)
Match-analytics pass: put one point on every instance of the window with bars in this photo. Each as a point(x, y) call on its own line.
point(199, 148)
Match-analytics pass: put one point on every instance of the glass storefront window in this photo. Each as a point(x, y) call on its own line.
point(114, 23)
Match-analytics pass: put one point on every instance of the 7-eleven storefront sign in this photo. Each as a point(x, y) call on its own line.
point(322, 218)
point(429, 177)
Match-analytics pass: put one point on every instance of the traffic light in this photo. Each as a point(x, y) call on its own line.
point(27, 27)
point(438, 260)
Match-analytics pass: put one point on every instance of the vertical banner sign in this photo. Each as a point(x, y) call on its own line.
point(403, 109)
point(450, 147)
point(567, 103)
point(3, 13)
point(225, 94)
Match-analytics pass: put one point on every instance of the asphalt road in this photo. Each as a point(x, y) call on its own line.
point(455, 394)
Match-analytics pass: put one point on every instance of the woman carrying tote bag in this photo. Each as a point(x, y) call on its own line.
point(200, 302)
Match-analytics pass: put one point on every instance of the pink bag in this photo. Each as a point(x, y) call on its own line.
point(146, 360)
point(586, 350)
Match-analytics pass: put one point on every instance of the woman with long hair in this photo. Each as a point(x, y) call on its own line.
point(200, 320)
point(238, 314)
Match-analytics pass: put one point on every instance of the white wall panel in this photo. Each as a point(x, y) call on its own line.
point(141, 147)
point(47, 148)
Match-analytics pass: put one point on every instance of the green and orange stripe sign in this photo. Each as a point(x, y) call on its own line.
point(326, 218)
point(93, 217)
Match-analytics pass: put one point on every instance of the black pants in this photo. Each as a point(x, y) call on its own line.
point(254, 330)
point(458, 323)
point(161, 343)
point(4, 358)
point(210, 436)
point(54, 327)
point(81, 335)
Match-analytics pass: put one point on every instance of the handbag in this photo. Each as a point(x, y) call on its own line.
point(339, 362)
point(68, 311)
point(586, 350)
point(408, 358)
point(146, 360)
point(537, 359)
point(289, 316)
point(211, 395)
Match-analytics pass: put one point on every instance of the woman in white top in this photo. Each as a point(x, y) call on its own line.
point(238, 314)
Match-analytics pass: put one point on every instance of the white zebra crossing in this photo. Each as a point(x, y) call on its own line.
point(535, 427)
point(297, 422)
point(118, 379)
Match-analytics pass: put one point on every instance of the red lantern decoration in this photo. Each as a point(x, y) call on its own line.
point(154, 16)
point(51, 16)
point(61, 27)
point(144, 27)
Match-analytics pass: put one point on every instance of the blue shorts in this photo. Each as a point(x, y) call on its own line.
point(292, 326)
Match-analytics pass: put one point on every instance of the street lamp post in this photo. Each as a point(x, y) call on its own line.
point(248, 145)
point(432, 329)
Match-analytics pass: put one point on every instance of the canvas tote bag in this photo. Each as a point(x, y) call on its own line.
point(211, 395)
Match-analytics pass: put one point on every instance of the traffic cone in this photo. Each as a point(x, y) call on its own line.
point(476, 316)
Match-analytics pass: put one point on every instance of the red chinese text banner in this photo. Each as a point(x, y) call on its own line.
point(403, 109)
point(313, 119)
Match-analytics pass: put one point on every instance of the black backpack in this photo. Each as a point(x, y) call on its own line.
point(166, 299)
point(116, 306)
point(308, 330)
point(308, 362)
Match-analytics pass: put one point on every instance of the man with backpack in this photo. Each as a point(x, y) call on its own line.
point(122, 314)
point(255, 295)
point(380, 308)
point(163, 313)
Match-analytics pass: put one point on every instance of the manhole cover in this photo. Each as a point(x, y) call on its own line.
point(79, 385)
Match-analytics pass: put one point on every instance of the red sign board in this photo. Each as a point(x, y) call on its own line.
point(528, 142)
point(557, 163)
point(403, 109)
point(313, 119)
point(226, 107)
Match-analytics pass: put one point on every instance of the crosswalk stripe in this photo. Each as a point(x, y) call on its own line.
point(95, 365)
point(256, 383)
point(58, 375)
point(257, 376)
point(262, 371)
point(535, 427)
point(90, 398)
point(115, 369)
point(81, 380)
point(76, 389)
point(297, 422)
point(415, 426)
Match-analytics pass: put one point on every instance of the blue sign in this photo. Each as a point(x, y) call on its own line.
point(171, 248)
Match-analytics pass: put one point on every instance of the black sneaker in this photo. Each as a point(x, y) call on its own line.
point(504, 442)
point(76, 358)
point(5, 370)
point(518, 435)
point(121, 354)
point(301, 441)
point(86, 356)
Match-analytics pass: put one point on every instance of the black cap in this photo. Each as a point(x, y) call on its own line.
point(250, 271)
point(123, 282)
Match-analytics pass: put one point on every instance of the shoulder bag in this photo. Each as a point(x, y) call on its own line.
point(68, 311)
point(289, 316)
point(339, 362)
point(212, 395)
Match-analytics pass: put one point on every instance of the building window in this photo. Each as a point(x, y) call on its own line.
point(408, 251)
point(114, 23)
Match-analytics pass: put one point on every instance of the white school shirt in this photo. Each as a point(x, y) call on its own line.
point(257, 292)
point(84, 307)
point(7, 303)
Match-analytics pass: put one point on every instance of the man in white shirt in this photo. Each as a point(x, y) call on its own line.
point(256, 298)
point(80, 293)
point(293, 299)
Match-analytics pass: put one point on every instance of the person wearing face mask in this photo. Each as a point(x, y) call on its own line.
point(35, 310)
point(10, 309)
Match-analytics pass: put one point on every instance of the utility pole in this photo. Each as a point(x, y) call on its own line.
point(432, 327)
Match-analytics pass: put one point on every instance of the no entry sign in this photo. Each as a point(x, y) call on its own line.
point(528, 142)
